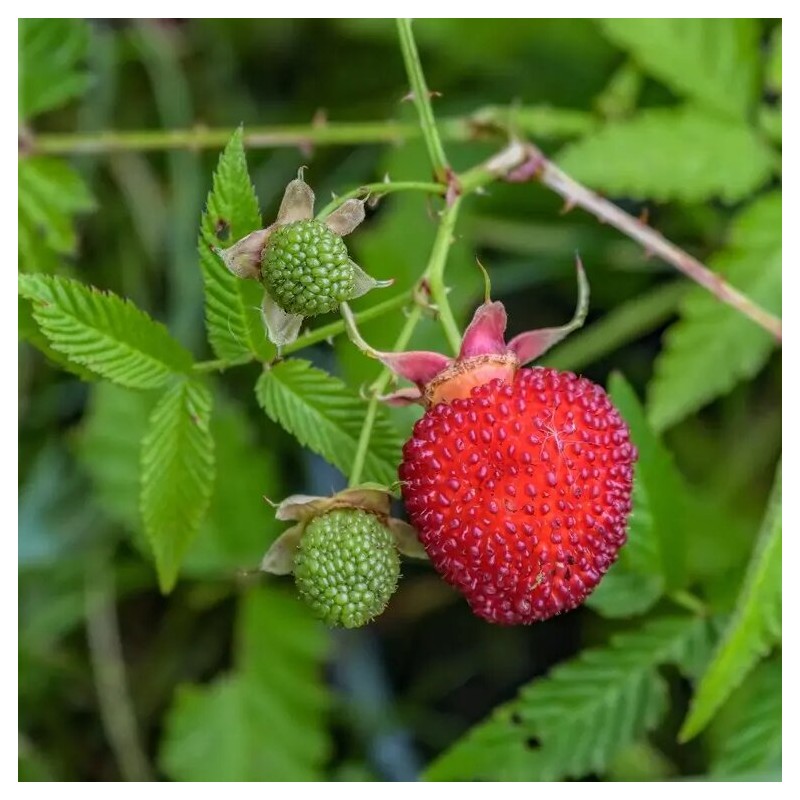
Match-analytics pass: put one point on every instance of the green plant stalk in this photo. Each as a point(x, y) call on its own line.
point(377, 388)
point(422, 100)
point(318, 335)
point(434, 274)
point(434, 277)
point(201, 138)
point(379, 189)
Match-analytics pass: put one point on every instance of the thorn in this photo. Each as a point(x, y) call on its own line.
point(644, 216)
point(569, 204)
point(411, 96)
point(320, 118)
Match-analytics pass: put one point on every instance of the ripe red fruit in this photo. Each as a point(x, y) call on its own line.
point(517, 480)
point(521, 492)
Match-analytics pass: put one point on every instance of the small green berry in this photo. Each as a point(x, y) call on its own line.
point(346, 567)
point(306, 268)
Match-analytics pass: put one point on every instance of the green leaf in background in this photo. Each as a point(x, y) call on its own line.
point(712, 61)
point(576, 719)
point(753, 739)
point(51, 195)
point(634, 584)
point(326, 416)
point(177, 474)
point(774, 68)
point(233, 316)
point(50, 70)
point(671, 154)
point(266, 720)
point(103, 332)
point(713, 346)
point(668, 497)
point(754, 628)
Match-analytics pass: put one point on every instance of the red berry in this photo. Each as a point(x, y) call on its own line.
point(521, 492)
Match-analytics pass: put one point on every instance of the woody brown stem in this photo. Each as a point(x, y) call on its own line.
point(653, 242)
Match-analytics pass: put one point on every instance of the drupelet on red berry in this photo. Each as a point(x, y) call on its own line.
point(518, 480)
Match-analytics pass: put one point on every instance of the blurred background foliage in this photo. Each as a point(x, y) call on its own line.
point(227, 678)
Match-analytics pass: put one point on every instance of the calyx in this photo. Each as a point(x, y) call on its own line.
point(484, 354)
point(302, 508)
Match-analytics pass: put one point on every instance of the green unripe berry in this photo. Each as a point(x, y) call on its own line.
point(306, 268)
point(346, 567)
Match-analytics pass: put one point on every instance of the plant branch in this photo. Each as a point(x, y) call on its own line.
point(653, 242)
point(422, 100)
point(377, 388)
point(434, 274)
point(317, 335)
point(489, 122)
point(201, 138)
point(108, 666)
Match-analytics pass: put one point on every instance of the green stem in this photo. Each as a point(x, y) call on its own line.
point(435, 273)
point(201, 138)
point(377, 388)
point(422, 100)
point(320, 334)
point(378, 189)
point(688, 601)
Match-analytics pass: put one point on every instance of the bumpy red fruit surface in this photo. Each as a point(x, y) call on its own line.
point(521, 492)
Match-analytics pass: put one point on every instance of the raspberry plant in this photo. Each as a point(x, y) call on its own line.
point(169, 464)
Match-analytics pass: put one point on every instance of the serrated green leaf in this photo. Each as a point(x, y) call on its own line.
point(327, 417)
point(668, 497)
point(50, 71)
point(177, 474)
point(109, 447)
point(103, 332)
point(713, 346)
point(240, 525)
point(28, 330)
point(51, 195)
point(754, 737)
point(634, 584)
point(671, 154)
point(233, 316)
point(575, 720)
point(754, 628)
point(264, 722)
point(712, 61)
